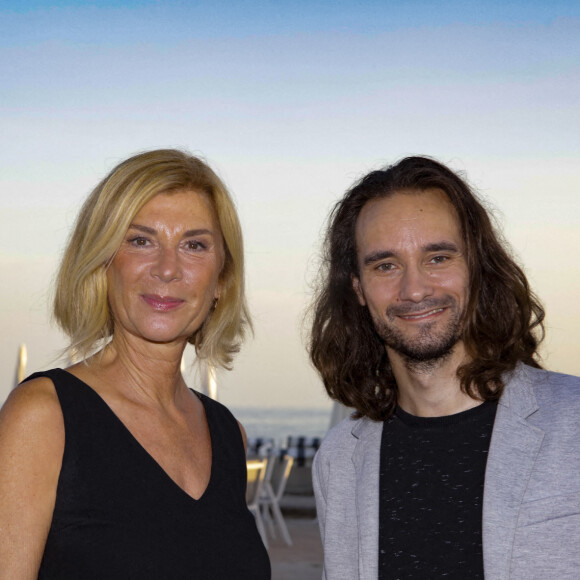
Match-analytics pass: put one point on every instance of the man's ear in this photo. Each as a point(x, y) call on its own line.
point(358, 290)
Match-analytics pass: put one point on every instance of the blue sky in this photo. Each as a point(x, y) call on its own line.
point(290, 102)
point(243, 17)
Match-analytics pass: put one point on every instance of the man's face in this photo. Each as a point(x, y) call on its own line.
point(413, 273)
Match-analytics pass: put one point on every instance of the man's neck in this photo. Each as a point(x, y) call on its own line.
point(431, 390)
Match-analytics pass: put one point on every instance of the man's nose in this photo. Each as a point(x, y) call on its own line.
point(416, 284)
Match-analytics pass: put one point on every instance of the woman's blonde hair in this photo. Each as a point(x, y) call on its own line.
point(80, 303)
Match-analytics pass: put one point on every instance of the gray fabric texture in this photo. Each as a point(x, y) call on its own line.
point(531, 503)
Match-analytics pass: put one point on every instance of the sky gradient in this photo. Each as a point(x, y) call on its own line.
point(290, 103)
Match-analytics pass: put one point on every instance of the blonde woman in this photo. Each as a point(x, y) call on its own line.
point(113, 468)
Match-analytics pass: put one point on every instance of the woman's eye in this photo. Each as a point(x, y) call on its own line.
point(138, 241)
point(195, 245)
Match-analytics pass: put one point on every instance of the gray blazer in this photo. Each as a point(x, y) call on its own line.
point(531, 504)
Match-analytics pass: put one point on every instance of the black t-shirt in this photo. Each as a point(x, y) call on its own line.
point(431, 491)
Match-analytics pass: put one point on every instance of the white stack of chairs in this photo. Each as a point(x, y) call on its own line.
point(256, 474)
point(277, 473)
point(278, 468)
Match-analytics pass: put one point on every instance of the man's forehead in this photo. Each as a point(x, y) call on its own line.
point(409, 204)
point(408, 216)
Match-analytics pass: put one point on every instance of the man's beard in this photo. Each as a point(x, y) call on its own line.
point(427, 349)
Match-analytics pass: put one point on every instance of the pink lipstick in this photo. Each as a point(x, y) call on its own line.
point(162, 303)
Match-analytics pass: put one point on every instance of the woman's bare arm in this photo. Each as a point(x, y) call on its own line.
point(31, 449)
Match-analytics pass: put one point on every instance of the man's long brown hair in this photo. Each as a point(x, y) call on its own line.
point(503, 321)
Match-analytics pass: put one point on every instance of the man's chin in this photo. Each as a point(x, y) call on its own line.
point(425, 344)
point(421, 351)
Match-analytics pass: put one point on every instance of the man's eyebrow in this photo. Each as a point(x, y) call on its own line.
point(187, 234)
point(441, 247)
point(376, 256)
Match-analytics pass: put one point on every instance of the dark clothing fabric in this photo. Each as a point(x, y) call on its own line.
point(431, 493)
point(118, 515)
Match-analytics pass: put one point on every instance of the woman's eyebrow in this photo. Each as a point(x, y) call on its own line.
point(144, 229)
point(187, 234)
point(198, 232)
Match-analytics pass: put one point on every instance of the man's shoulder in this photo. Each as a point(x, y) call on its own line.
point(347, 433)
point(556, 395)
point(340, 434)
point(549, 383)
point(342, 449)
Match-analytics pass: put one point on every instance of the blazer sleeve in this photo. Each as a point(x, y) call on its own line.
point(335, 489)
point(319, 482)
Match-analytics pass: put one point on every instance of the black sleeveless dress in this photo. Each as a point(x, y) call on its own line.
point(119, 516)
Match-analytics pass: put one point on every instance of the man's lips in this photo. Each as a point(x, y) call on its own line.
point(163, 303)
point(421, 315)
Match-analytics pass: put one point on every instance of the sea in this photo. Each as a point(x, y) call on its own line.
point(279, 423)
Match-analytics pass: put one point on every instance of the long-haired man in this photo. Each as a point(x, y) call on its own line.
point(461, 458)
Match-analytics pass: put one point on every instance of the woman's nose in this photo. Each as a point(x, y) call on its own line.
point(166, 267)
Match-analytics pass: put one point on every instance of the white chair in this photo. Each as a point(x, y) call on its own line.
point(256, 473)
point(277, 473)
point(259, 447)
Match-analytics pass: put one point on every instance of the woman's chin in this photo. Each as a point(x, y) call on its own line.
point(169, 336)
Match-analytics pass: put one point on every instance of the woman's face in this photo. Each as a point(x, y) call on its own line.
point(165, 276)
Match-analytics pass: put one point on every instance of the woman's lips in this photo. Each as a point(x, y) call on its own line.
point(162, 303)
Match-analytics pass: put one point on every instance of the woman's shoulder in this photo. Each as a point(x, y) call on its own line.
point(213, 406)
point(31, 451)
point(222, 415)
point(32, 405)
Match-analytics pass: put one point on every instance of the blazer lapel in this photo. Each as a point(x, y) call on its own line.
point(366, 459)
point(513, 449)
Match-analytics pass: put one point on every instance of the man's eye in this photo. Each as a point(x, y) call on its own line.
point(439, 259)
point(386, 267)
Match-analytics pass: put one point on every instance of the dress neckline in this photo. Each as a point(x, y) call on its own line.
point(143, 450)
